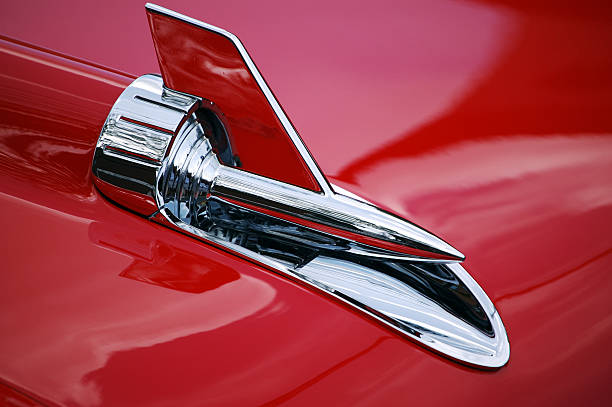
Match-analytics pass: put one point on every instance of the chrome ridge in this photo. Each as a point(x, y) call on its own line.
point(156, 143)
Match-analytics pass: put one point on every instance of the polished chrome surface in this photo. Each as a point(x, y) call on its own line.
point(395, 299)
point(137, 133)
point(414, 285)
point(143, 120)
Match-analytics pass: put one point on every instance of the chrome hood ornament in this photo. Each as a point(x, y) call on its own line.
point(179, 150)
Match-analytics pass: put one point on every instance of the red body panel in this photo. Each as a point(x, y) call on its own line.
point(488, 123)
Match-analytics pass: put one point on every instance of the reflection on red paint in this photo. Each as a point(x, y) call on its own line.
point(159, 263)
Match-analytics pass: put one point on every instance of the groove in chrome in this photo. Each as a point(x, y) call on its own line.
point(164, 150)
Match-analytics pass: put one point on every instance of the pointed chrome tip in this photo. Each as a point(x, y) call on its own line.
point(450, 251)
point(434, 245)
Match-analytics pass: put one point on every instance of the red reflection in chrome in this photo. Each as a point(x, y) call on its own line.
point(206, 64)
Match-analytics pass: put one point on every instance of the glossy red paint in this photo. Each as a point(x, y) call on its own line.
point(206, 64)
point(502, 148)
point(10, 397)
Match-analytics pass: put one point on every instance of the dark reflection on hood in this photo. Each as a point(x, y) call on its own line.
point(163, 264)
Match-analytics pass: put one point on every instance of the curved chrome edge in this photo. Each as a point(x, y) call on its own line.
point(502, 345)
point(499, 346)
point(280, 113)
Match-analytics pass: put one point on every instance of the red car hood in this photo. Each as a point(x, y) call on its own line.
point(486, 122)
